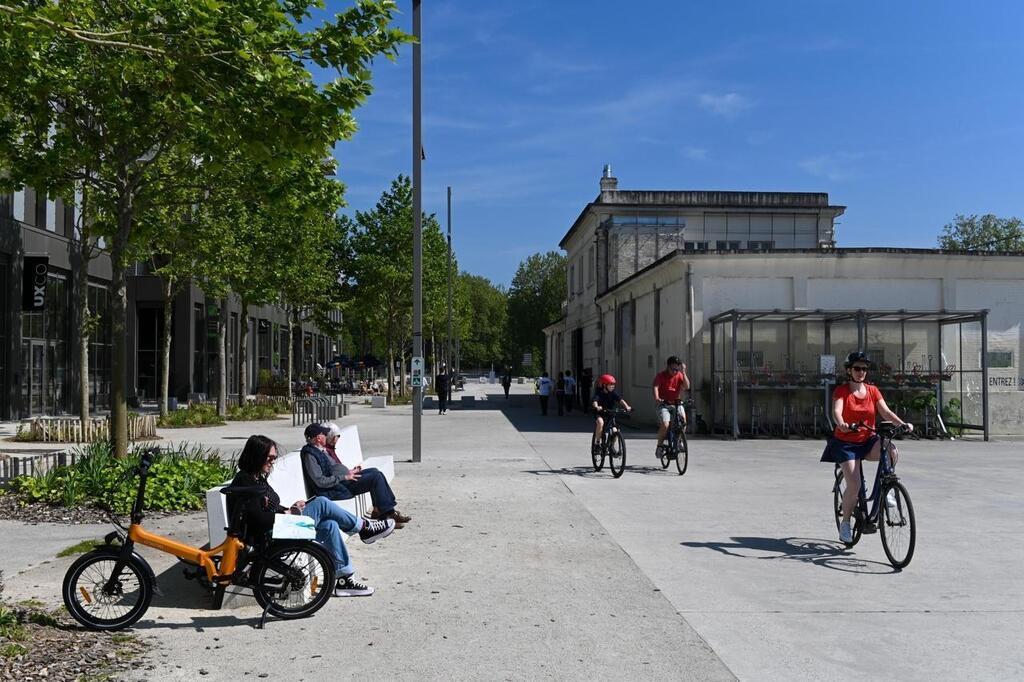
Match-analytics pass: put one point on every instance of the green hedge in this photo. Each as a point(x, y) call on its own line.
point(249, 413)
point(178, 479)
point(196, 415)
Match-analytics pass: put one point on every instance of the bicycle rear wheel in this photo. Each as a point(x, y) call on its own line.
point(682, 453)
point(294, 578)
point(837, 507)
point(899, 532)
point(616, 454)
point(91, 605)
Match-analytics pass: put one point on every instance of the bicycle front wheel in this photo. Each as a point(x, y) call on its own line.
point(617, 454)
point(294, 578)
point(837, 507)
point(597, 456)
point(682, 453)
point(91, 604)
point(899, 532)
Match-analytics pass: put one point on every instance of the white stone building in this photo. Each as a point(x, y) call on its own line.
point(657, 273)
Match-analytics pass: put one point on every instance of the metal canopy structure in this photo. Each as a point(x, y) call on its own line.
point(772, 371)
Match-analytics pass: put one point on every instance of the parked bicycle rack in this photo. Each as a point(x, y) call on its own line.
point(318, 409)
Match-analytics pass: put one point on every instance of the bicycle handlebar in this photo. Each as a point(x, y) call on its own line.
point(894, 431)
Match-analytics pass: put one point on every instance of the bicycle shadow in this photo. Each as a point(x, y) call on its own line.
point(829, 554)
point(587, 471)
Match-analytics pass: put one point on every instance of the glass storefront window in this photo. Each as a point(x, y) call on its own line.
point(44, 354)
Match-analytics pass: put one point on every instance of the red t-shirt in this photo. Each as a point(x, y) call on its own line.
point(856, 410)
point(670, 385)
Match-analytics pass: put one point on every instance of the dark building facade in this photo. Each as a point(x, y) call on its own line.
point(40, 327)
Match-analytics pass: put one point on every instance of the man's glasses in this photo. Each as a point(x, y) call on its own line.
point(859, 368)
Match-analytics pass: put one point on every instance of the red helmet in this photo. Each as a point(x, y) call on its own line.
point(605, 379)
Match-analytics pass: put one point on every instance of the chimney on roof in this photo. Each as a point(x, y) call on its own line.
point(609, 182)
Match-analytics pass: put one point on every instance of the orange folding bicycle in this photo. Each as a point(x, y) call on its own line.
point(111, 587)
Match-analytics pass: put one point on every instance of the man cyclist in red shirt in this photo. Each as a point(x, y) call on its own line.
point(669, 385)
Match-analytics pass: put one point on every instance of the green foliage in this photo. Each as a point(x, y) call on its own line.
point(983, 233)
point(484, 310)
point(12, 650)
point(79, 548)
point(177, 481)
point(194, 415)
point(534, 301)
point(23, 435)
point(250, 413)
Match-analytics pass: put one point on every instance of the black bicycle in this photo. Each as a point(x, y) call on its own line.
point(612, 445)
point(888, 509)
point(675, 446)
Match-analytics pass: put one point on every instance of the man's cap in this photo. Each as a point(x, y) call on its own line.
point(314, 430)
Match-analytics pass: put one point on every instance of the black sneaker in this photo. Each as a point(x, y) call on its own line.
point(349, 587)
point(374, 530)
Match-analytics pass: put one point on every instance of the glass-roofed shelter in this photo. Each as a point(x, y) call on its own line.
point(773, 371)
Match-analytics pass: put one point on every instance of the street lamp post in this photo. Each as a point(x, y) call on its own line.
point(448, 345)
point(417, 225)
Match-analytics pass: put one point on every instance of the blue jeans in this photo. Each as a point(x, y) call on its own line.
point(370, 481)
point(330, 521)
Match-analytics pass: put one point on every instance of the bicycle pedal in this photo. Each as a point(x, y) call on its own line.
point(868, 528)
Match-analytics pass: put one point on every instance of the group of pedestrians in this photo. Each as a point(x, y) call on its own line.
point(563, 386)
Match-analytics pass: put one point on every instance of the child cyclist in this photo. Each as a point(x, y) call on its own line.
point(605, 398)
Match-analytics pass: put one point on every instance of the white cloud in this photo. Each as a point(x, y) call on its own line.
point(729, 104)
point(833, 167)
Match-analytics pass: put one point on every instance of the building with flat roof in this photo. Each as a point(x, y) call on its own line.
point(39, 329)
point(749, 289)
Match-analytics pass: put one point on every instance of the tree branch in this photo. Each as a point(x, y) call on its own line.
point(82, 35)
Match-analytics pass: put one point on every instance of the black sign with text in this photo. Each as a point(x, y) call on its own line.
point(33, 283)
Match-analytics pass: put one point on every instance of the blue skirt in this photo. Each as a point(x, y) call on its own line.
point(840, 451)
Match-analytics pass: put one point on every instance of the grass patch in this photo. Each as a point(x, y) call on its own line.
point(121, 638)
point(12, 650)
point(178, 479)
point(194, 415)
point(250, 413)
point(31, 603)
point(79, 548)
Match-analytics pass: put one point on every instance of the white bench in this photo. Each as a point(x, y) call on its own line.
point(288, 482)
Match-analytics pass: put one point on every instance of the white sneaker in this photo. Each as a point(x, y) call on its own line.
point(890, 501)
point(845, 532)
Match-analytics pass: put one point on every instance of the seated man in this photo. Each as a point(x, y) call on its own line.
point(327, 476)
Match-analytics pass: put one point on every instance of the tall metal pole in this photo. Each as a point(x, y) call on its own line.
point(448, 345)
point(417, 224)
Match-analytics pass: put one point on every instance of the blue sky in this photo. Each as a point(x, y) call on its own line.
point(905, 112)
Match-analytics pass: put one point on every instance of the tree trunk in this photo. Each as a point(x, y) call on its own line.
point(119, 328)
point(243, 353)
point(82, 303)
point(292, 321)
point(391, 371)
point(165, 345)
point(222, 358)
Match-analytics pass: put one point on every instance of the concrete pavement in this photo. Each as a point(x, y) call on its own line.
point(522, 563)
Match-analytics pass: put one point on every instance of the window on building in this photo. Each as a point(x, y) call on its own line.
point(198, 349)
point(760, 245)
point(590, 266)
point(232, 353)
point(572, 281)
point(724, 245)
point(285, 350)
point(1000, 359)
point(695, 247)
point(44, 352)
point(263, 347)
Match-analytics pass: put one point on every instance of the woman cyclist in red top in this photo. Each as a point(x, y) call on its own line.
point(855, 402)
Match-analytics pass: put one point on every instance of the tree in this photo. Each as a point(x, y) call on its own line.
point(379, 270)
point(483, 316)
point(534, 301)
point(97, 93)
point(983, 233)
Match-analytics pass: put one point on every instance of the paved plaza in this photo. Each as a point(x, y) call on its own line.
point(522, 563)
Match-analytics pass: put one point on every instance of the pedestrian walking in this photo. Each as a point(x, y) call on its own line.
point(544, 392)
point(441, 387)
point(506, 381)
point(560, 393)
point(570, 391)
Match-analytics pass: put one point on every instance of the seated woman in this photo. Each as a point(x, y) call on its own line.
point(254, 465)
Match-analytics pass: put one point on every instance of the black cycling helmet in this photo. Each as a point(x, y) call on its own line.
point(857, 356)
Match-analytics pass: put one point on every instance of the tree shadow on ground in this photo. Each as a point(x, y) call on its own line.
point(825, 553)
